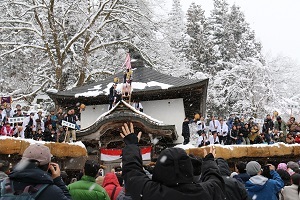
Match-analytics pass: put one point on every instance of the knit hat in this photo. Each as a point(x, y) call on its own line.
point(38, 152)
point(252, 168)
point(293, 165)
point(282, 166)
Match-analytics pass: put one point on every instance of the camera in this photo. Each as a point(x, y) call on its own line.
point(266, 171)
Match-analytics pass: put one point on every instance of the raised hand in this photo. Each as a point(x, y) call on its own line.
point(128, 134)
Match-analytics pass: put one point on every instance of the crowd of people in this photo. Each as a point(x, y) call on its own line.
point(176, 175)
point(238, 130)
point(37, 126)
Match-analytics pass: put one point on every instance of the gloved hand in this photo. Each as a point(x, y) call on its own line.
point(129, 136)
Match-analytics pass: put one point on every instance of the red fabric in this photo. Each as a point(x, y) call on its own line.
point(9, 130)
point(297, 139)
point(109, 183)
point(113, 152)
point(117, 152)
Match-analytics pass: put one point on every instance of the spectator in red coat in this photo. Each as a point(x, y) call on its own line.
point(111, 185)
point(297, 138)
point(7, 130)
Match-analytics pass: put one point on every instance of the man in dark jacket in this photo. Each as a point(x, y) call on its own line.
point(172, 175)
point(186, 131)
point(32, 170)
point(234, 189)
point(242, 175)
point(71, 117)
point(267, 127)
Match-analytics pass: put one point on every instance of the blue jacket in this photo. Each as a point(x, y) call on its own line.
point(262, 188)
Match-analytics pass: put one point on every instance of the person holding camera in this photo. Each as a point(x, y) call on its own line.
point(260, 187)
point(31, 174)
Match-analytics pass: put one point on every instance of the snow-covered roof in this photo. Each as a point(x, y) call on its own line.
point(119, 115)
point(144, 79)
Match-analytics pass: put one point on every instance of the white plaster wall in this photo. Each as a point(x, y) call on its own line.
point(170, 112)
point(91, 113)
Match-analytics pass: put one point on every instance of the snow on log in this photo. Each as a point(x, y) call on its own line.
point(256, 150)
point(10, 145)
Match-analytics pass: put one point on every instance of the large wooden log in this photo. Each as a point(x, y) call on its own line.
point(9, 145)
point(251, 151)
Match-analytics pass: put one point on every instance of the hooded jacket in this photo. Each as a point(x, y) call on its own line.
point(111, 182)
point(234, 189)
point(30, 174)
point(87, 189)
point(242, 177)
point(263, 188)
point(290, 193)
point(172, 176)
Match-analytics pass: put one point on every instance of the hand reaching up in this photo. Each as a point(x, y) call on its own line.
point(129, 136)
point(211, 155)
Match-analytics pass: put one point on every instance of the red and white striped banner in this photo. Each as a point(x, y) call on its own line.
point(115, 154)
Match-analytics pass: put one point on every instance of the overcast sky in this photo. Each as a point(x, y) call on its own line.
point(276, 23)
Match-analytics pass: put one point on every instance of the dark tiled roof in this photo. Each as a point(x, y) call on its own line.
point(140, 74)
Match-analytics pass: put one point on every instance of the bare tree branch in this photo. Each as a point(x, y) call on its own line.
point(32, 93)
point(21, 47)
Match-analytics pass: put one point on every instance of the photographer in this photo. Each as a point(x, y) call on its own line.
point(260, 187)
point(32, 171)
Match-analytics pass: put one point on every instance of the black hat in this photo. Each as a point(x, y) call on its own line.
point(278, 118)
point(91, 168)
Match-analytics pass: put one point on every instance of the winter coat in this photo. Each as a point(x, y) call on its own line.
point(111, 183)
point(281, 126)
point(70, 118)
point(268, 125)
point(263, 188)
point(48, 135)
point(185, 129)
point(123, 196)
point(292, 125)
point(234, 189)
point(172, 178)
point(242, 177)
point(24, 175)
point(7, 113)
point(290, 193)
point(7, 130)
point(234, 133)
point(246, 132)
point(254, 133)
point(81, 190)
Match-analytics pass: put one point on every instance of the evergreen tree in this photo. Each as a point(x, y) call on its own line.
point(173, 42)
point(197, 51)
